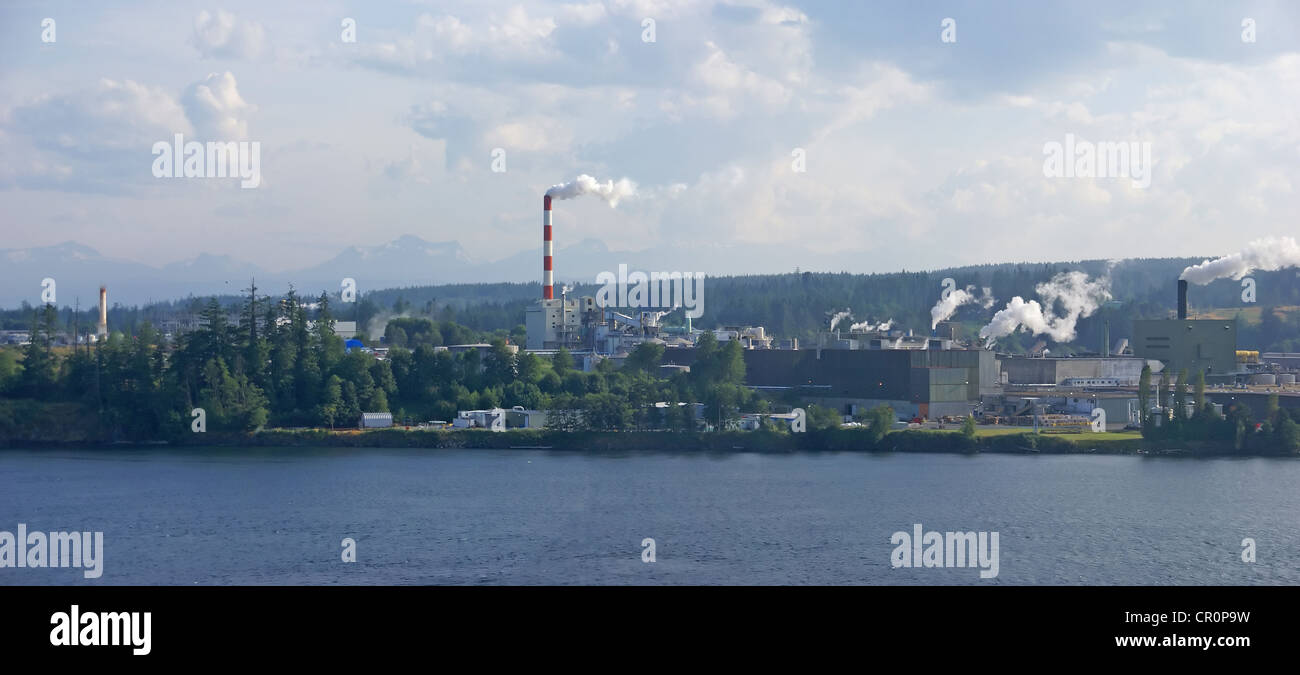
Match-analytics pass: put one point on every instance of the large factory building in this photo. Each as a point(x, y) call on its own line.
point(1208, 345)
point(1118, 371)
point(927, 383)
point(552, 323)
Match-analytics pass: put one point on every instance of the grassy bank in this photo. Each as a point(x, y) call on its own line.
point(34, 424)
point(843, 440)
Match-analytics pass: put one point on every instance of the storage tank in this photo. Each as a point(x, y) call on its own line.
point(1267, 379)
point(1286, 378)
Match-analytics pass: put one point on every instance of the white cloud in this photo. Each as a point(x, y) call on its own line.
point(727, 85)
point(582, 14)
point(896, 159)
point(532, 134)
point(113, 115)
point(518, 30)
point(222, 35)
point(99, 139)
point(783, 15)
point(512, 36)
point(216, 108)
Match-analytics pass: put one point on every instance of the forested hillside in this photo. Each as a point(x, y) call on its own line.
point(801, 304)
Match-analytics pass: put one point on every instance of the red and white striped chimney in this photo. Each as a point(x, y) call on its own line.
point(548, 279)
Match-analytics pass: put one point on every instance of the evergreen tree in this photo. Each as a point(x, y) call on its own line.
point(40, 368)
point(562, 362)
point(1144, 396)
point(255, 350)
point(645, 357)
point(331, 403)
point(880, 422)
point(1288, 435)
point(968, 427)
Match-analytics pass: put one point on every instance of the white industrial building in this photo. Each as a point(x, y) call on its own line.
point(493, 419)
point(556, 322)
point(376, 420)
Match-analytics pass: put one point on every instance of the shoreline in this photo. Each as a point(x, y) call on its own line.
point(835, 440)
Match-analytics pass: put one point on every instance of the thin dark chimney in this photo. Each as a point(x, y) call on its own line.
point(1182, 298)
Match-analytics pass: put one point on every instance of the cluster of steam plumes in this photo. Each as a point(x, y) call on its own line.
point(871, 326)
point(611, 191)
point(1078, 295)
point(838, 317)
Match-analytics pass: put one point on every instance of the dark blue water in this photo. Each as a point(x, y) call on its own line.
point(222, 516)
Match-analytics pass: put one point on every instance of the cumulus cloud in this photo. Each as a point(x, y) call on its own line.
point(98, 139)
point(216, 108)
point(92, 140)
point(110, 116)
point(222, 35)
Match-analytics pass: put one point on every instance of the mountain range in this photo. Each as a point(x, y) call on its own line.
point(79, 270)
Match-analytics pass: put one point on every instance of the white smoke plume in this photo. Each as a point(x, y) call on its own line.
point(1268, 254)
point(610, 191)
point(869, 326)
point(946, 307)
point(1079, 296)
point(840, 316)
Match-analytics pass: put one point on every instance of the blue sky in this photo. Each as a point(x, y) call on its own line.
point(919, 153)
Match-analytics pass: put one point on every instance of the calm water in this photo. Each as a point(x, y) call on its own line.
point(222, 516)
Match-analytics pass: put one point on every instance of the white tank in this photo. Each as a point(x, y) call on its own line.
point(1286, 378)
point(1263, 378)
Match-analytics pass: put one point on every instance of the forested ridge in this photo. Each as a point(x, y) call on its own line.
point(800, 304)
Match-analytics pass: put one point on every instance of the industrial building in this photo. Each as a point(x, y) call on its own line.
point(493, 419)
point(915, 383)
point(557, 322)
point(928, 376)
point(1121, 408)
point(345, 329)
point(520, 418)
point(375, 420)
point(1075, 371)
point(925, 376)
point(1194, 345)
point(579, 324)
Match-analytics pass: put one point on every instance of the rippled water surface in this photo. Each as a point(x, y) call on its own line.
point(238, 516)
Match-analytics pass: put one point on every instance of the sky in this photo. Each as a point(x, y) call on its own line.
point(866, 136)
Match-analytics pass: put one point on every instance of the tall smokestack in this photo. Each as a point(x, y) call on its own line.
point(1182, 298)
point(548, 278)
point(102, 331)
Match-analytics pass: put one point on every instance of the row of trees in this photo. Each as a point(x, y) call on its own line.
point(281, 364)
point(1278, 431)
